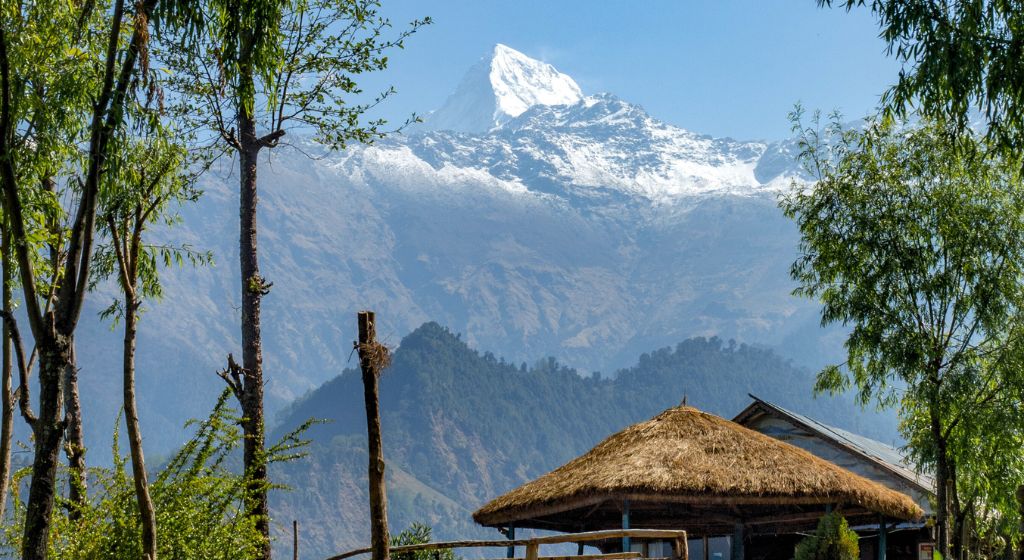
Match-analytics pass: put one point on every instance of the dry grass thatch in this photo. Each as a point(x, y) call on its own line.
point(685, 456)
point(374, 355)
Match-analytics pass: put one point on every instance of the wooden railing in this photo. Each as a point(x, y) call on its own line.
point(678, 538)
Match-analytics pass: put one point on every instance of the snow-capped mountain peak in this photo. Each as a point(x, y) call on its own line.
point(521, 82)
point(502, 86)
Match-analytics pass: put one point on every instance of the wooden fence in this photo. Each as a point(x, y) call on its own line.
point(678, 538)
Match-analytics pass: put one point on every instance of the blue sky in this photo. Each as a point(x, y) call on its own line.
point(724, 67)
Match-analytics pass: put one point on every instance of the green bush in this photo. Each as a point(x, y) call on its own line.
point(199, 503)
point(832, 540)
point(418, 533)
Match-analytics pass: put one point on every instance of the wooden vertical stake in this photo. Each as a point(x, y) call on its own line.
point(532, 551)
point(372, 357)
point(295, 539)
point(682, 549)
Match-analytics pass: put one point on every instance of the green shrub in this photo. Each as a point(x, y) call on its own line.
point(832, 540)
point(199, 502)
point(418, 533)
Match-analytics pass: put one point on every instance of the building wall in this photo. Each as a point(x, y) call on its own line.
point(789, 432)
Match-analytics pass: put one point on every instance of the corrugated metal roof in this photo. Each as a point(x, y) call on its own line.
point(880, 452)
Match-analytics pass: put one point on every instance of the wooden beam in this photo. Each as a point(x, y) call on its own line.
point(809, 516)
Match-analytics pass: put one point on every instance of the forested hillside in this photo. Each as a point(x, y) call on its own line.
point(461, 427)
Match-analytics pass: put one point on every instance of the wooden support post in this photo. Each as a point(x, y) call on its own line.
point(737, 542)
point(511, 552)
point(882, 544)
point(625, 525)
point(579, 548)
point(295, 539)
point(707, 543)
point(532, 551)
point(681, 549)
point(371, 356)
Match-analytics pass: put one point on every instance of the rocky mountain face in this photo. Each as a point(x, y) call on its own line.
point(531, 218)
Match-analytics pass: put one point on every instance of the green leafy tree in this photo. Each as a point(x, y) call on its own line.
point(986, 475)
point(959, 56)
point(917, 246)
point(39, 143)
point(259, 70)
point(146, 183)
point(93, 59)
point(832, 540)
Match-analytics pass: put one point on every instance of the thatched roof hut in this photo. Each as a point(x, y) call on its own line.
point(692, 470)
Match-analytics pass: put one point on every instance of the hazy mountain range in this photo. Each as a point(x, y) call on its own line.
point(530, 217)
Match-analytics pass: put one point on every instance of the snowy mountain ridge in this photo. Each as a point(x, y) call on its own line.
point(542, 126)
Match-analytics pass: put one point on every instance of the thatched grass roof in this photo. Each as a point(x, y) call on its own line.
point(687, 458)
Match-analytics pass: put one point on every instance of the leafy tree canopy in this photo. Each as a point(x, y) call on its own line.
point(959, 56)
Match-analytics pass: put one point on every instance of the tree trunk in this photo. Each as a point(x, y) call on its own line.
point(379, 538)
point(1020, 512)
point(957, 514)
point(6, 390)
point(75, 447)
point(253, 289)
point(965, 522)
point(131, 417)
point(48, 429)
point(941, 491)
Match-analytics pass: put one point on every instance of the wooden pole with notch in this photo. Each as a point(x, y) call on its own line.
point(372, 359)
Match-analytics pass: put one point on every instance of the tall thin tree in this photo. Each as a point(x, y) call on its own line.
point(262, 69)
point(150, 178)
point(6, 371)
point(104, 81)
